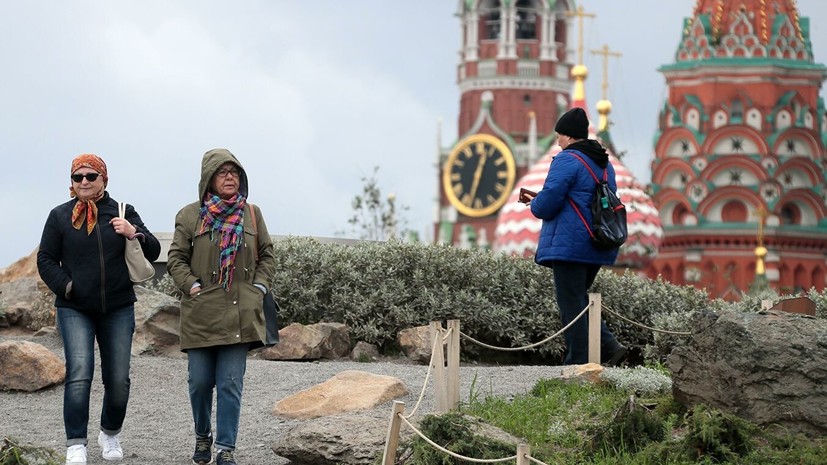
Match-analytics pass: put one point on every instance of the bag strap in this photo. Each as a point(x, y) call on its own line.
point(597, 181)
point(255, 228)
point(591, 172)
point(121, 210)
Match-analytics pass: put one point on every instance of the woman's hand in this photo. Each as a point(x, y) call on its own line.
point(123, 227)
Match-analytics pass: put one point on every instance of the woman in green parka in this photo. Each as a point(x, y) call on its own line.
point(223, 280)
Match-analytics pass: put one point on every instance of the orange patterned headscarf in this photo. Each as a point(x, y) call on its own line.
point(86, 209)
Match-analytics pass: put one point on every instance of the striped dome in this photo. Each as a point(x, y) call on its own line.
point(518, 230)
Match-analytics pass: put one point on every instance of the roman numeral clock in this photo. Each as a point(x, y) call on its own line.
point(479, 175)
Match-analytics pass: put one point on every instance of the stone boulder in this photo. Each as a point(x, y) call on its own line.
point(363, 351)
point(356, 439)
point(311, 342)
point(157, 329)
point(348, 391)
point(416, 343)
point(353, 438)
point(25, 267)
point(21, 299)
point(768, 368)
point(26, 366)
point(587, 373)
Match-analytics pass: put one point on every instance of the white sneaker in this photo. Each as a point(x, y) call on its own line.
point(76, 455)
point(110, 446)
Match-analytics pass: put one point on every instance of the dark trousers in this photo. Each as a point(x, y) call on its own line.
point(572, 282)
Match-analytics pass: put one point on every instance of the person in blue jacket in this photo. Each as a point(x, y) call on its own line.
point(565, 244)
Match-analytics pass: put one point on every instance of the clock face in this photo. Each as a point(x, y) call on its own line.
point(478, 175)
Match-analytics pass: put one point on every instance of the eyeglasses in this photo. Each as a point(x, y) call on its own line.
point(223, 173)
point(91, 177)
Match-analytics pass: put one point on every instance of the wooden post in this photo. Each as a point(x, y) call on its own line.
point(438, 367)
point(766, 304)
point(595, 304)
point(453, 365)
point(392, 439)
point(523, 451)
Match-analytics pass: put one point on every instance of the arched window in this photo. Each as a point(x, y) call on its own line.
point(526, 19)
point(734, 212)
point(737, 113)
point(492, 20)
point(790, 214)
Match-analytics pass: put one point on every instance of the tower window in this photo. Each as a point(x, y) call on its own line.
point(491, 19)
point(527, 100)
point(526, 19)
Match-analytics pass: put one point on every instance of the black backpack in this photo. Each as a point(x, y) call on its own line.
point(608, 228)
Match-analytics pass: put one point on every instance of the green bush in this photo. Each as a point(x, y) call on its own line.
point(380, 288)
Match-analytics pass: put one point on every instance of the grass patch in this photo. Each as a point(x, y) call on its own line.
point(610, 425)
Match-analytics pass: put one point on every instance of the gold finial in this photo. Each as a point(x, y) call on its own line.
point(760, 251)
point(580, 14)
point(604, 106)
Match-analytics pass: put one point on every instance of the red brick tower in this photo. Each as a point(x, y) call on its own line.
point(514, 80)
point(741, 149)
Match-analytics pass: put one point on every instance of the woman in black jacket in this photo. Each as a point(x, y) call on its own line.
point(81, 259)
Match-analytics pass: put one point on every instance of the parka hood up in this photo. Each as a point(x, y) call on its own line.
point(211, 162)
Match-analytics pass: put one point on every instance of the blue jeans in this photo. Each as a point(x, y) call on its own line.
point(222, 368)
point(113, 331)
point(572, 282)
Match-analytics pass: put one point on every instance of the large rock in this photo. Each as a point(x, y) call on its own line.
point(27, 302)
point(356, 439)
point(157, 329)
point(26, 366)
point(335, 440)
point(346, 392)
point(25, 267)
point(768, 368)
point(416, 343)
point(311, 342)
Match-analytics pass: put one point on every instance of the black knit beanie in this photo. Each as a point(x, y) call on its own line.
point(573, 123)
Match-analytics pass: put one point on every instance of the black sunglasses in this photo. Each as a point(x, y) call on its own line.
point(90, 176)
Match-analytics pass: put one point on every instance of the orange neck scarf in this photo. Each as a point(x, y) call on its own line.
point(86, 210)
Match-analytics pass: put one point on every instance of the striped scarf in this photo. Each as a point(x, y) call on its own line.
point(225, 218)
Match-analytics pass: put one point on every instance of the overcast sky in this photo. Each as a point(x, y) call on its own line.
point(310, 95)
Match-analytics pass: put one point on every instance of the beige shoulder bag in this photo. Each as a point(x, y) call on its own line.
point(140, 269)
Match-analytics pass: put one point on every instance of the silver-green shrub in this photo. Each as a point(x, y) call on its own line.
point(640, 380)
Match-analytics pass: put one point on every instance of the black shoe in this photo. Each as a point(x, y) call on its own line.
point(203, 451)
point(616, 357)
point(225, 457)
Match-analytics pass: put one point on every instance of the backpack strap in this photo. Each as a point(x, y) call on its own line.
point(596, 180)
point(591, 172)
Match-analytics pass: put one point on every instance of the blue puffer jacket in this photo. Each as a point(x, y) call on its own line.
point(563, 235)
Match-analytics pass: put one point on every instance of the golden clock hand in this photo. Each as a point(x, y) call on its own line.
point(477, 175)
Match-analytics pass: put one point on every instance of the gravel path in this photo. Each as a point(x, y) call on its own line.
point(158, 426)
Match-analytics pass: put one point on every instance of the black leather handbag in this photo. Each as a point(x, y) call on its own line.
point(271, 307)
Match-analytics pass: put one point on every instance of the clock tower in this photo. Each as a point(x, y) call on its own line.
point(514, 80)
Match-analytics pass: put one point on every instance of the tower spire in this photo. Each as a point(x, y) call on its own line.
point(579, 70)
point(604, 106)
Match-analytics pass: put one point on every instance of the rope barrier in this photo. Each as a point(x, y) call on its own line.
point(679, 333)
point(427, 377)
point(532, 459)
point(453, 454)
point(514, 349)
point(447, 334)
